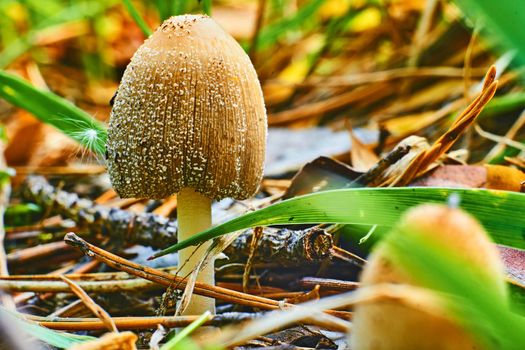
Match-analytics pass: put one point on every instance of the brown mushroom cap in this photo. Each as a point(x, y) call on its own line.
point(189, 112)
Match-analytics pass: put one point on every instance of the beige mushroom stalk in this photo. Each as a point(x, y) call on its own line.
point(388, 323)
point(188, 118)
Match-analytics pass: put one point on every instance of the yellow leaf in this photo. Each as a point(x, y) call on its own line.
point(366, 20)
point(334, 8)
point(16, 12)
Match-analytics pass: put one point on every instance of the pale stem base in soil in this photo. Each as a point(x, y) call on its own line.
point(194, 216)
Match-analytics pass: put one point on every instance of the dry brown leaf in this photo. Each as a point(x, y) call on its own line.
point(24, 133)
point(409, 124)
point(395, 172)
point(328, 105)
point(54, 149)
point(432, 95)
point(496, 177)
point(322, 173)
point(362, 157)
point(110, 341)
point(501, 177)
point(454, 176)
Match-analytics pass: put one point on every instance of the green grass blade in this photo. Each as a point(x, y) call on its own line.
point(477, 305)
point(56, 111)
point(504, 104)
point(58, 339)
point(500, 212)
point(179, 7)
point(206, 6)
point(163, 9)
point(132, 10)
point(176, 342)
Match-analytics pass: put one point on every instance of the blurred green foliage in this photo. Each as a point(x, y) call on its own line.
point(501, 20)
point(479, 307)
point(22, 214)
point(24, 20)
point(61, 340)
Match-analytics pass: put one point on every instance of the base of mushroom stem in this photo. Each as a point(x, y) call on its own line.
point(194, 216)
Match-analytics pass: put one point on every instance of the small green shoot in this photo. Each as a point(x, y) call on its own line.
point(180, 340)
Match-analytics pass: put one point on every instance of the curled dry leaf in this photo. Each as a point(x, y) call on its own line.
point(417, 146)
point(421, 163)
point(363, 158)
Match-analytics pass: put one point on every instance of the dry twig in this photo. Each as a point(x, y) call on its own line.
point(96, 309)
point(167, 279)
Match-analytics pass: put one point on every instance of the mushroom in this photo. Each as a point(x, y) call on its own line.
point(188, 118)
point(389, 323)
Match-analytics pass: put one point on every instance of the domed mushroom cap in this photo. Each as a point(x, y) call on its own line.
point(189, 112)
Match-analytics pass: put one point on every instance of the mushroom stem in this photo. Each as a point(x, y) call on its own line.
point(194, 216)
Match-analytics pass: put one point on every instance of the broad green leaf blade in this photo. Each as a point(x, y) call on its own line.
point(500, 212)
point(54, 110)
point(58, 339)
